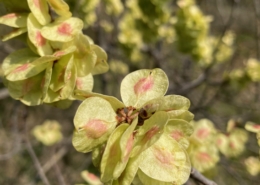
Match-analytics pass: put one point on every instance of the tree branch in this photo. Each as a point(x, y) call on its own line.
point(32, 153)
point(196, 175)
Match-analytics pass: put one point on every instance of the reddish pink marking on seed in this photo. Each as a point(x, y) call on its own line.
point(149, 134)
point(95, 128)
point(69, 75)
point(164, 156)
point(79, 83)
point(219, 142)
point(129, 146)
point(58, 53)
point(203, 133)
point(203, 156)
point(143, 85)
point(65, 29)
point(93, 177)
point(37, 3)
point(256, 126)
point(10, 15)
point(177, 135)
point(232, 145)
point(40, 40)
point(21, 68)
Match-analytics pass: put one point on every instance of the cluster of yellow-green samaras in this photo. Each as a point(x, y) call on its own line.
point(59, 58)
point(141, 140)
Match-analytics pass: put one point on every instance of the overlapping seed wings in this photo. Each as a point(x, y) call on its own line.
point(58, 52)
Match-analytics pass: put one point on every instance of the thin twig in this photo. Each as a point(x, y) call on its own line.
point(33, 155)
point(196, 175)
point(54, 159)
point(4, 93)
point(17, 138)
point(59, 175)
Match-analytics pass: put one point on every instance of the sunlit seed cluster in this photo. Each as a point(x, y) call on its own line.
point(59, 58)
point(146, 129)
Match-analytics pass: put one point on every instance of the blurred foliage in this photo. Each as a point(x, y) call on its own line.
point(219, 40)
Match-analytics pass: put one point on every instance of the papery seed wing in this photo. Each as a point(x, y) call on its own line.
point(112, 155)
point(149, 132)
point(46, 80)
point(59, 69)
point(60, 7)
point(30, 69)
point(90, 178)
point(17, 20)
point(148, 180)
point(29, 91)
point(252, 127)
point(130, 171)
point(14, 33)
point(114, 102)
point(94, 121)
point(69, 80)
point(143, 85)
point(168, 103)
point(169, 160)
point(85, 83)
point(62, 31)
point(127, 141)
point(180, 131)
point(101, 65)
point(17, 58)
point(181, 114)
point(40, 10)
point(35, 36)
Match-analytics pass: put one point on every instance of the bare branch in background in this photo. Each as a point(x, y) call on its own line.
point(32, 153)
point(196, 175)
point(4, 93)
